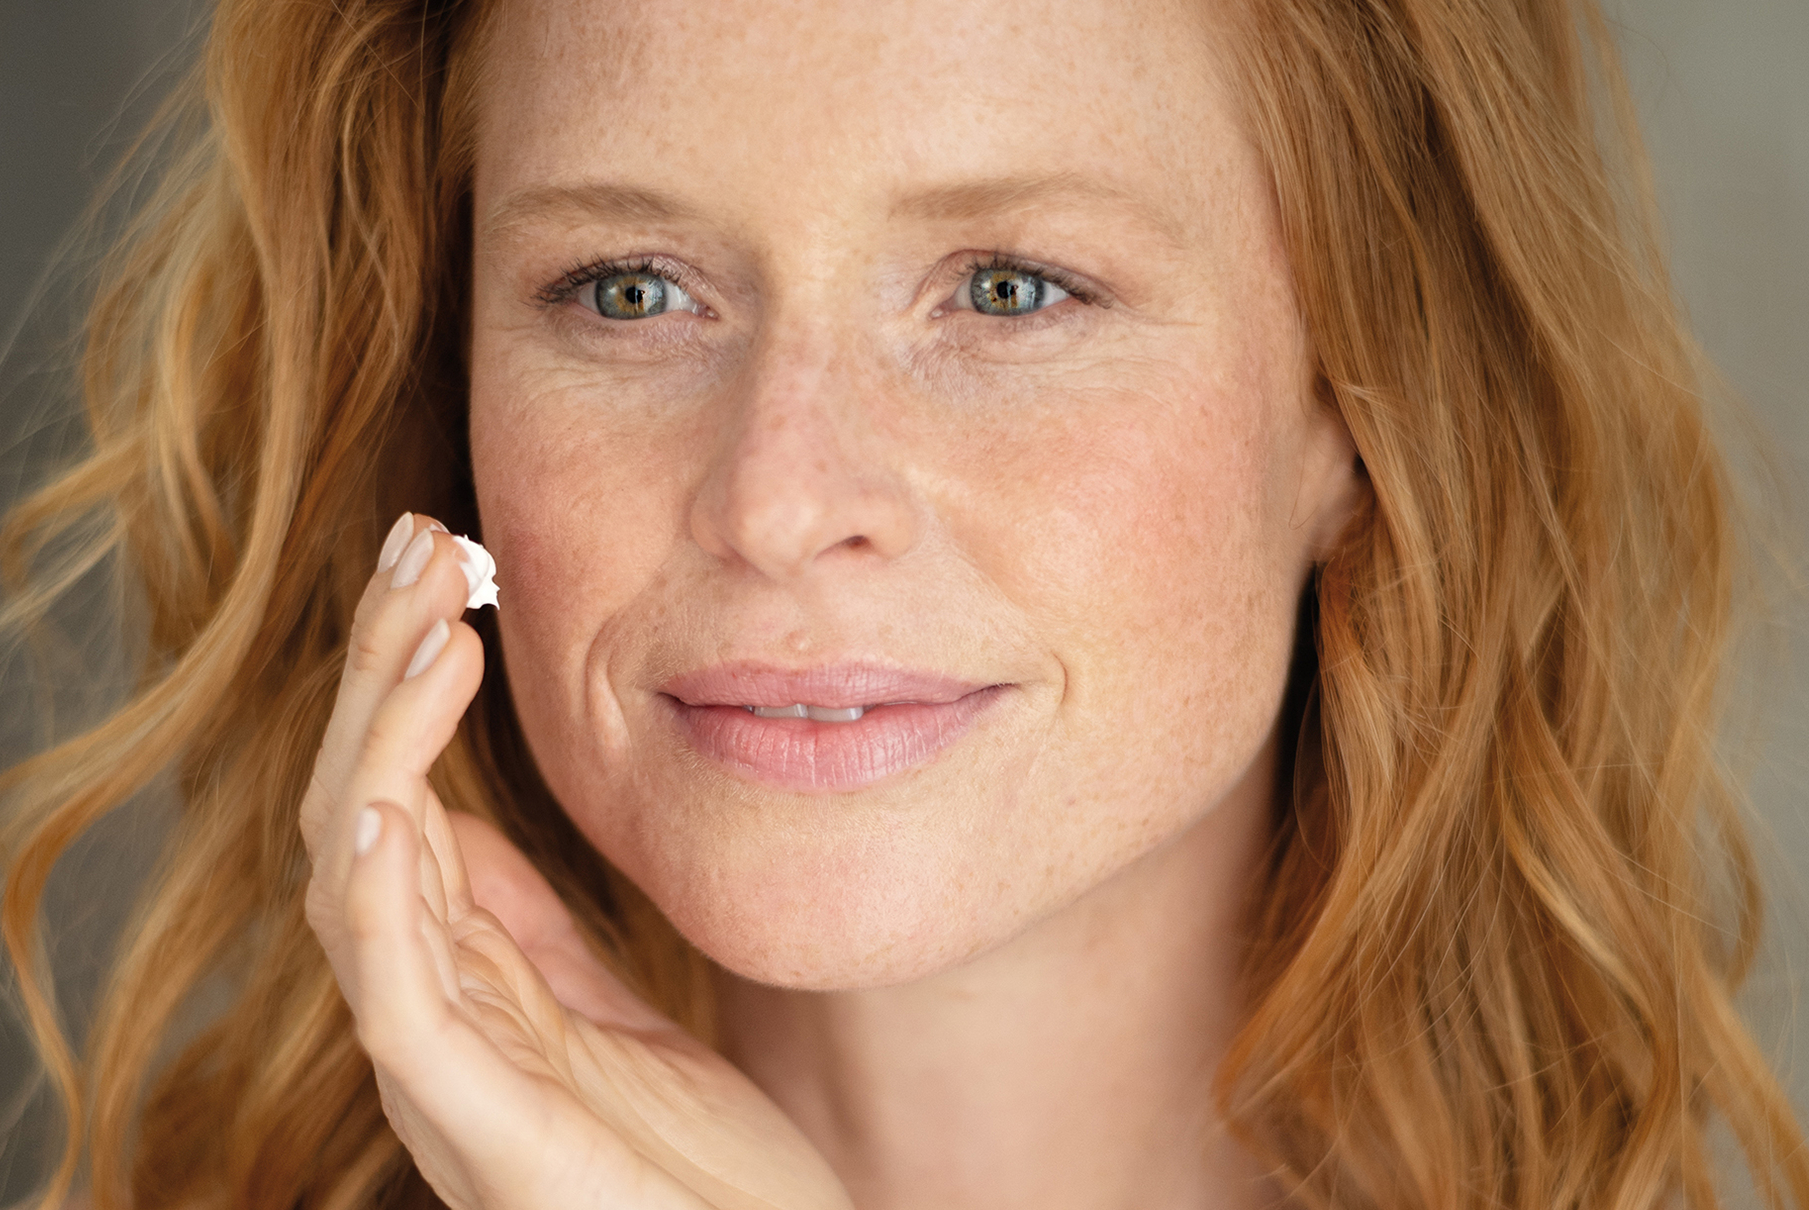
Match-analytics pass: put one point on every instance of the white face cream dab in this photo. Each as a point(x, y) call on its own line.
point(480, 573)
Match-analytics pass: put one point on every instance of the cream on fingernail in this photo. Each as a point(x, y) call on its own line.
point(414, 560)
point(369, 827)
point(429, 650)
point(396, 542)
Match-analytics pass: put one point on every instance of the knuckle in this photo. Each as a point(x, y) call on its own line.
point(376, 592)
point(386, 734)
point(315, 809)
point(320, 915)
point(366, 651)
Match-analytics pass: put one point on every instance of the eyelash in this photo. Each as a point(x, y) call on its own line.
point(583, 274)
point(580, 275)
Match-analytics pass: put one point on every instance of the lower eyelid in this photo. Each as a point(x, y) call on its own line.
point(984, 327)
point(590, 335)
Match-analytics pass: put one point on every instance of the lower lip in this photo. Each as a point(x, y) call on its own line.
point(801, 754)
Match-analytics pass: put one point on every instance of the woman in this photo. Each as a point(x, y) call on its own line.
point(1101, 604)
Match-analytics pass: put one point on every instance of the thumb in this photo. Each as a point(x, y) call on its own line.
point(505, 883)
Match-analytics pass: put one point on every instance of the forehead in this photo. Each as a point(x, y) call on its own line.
point(839, 103)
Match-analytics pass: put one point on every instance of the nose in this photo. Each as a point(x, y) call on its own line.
point(801, 476)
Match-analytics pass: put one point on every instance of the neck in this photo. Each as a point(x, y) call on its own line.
point(1070, 1067)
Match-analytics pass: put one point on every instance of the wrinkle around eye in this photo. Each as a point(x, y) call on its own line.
point(571, 331)
point(968, 325)
point(1036, 349)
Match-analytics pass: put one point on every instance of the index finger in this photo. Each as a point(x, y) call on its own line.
point(421, 579)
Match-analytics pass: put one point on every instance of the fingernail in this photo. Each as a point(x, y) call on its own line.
point(429, 650)
point(472, 576)
point(397, 540)
point(414, 560)
point(435, 525)
point(370, 826)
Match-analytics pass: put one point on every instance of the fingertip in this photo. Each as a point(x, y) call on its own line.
point(378, 899)
point(415, 558)
point(466, 636)
point(380, 830)
point(432, 643)
point(395, 542)
point(413, 724)
point(463, 654)
point(394, 985)
point(444, 843)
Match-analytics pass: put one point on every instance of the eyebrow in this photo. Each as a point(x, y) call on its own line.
point(968, 200)
point(962, 201)
point(587, 199)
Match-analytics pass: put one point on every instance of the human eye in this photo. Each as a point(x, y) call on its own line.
point(1005, 288)
point(619, 291)
point(635, 295)
point(1011, 292)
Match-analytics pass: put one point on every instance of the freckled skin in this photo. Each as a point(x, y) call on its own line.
point(1110, 507)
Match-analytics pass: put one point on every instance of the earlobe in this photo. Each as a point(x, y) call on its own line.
point(1334, 483)
point(1354, 494)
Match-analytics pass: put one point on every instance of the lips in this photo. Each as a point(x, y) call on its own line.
point(906, 718)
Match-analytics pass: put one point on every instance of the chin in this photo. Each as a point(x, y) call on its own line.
point(868, 908)
point(898, 881)
point(841, 960)
point(838, 935)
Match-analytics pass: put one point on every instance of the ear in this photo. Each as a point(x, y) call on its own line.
point(1333, 483)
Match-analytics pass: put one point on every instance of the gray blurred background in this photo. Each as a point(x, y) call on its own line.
point(1721, 86)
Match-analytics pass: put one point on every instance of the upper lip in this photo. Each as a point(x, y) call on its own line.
point(837, 686)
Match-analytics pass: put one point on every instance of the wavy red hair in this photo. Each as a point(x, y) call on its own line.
point(1491, 967)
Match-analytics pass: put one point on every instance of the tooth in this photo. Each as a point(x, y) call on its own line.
point(826, 714)
point(822, 714)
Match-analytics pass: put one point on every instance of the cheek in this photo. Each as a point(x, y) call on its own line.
point(1149, 545)
point(542, 543)
point(1141, 516)
point(579, 530)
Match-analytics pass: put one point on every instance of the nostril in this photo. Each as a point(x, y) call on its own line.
point(857, 542)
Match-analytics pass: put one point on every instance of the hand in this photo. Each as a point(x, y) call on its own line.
point(531, 1079)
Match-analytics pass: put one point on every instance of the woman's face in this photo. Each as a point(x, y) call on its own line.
point(933, 358)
